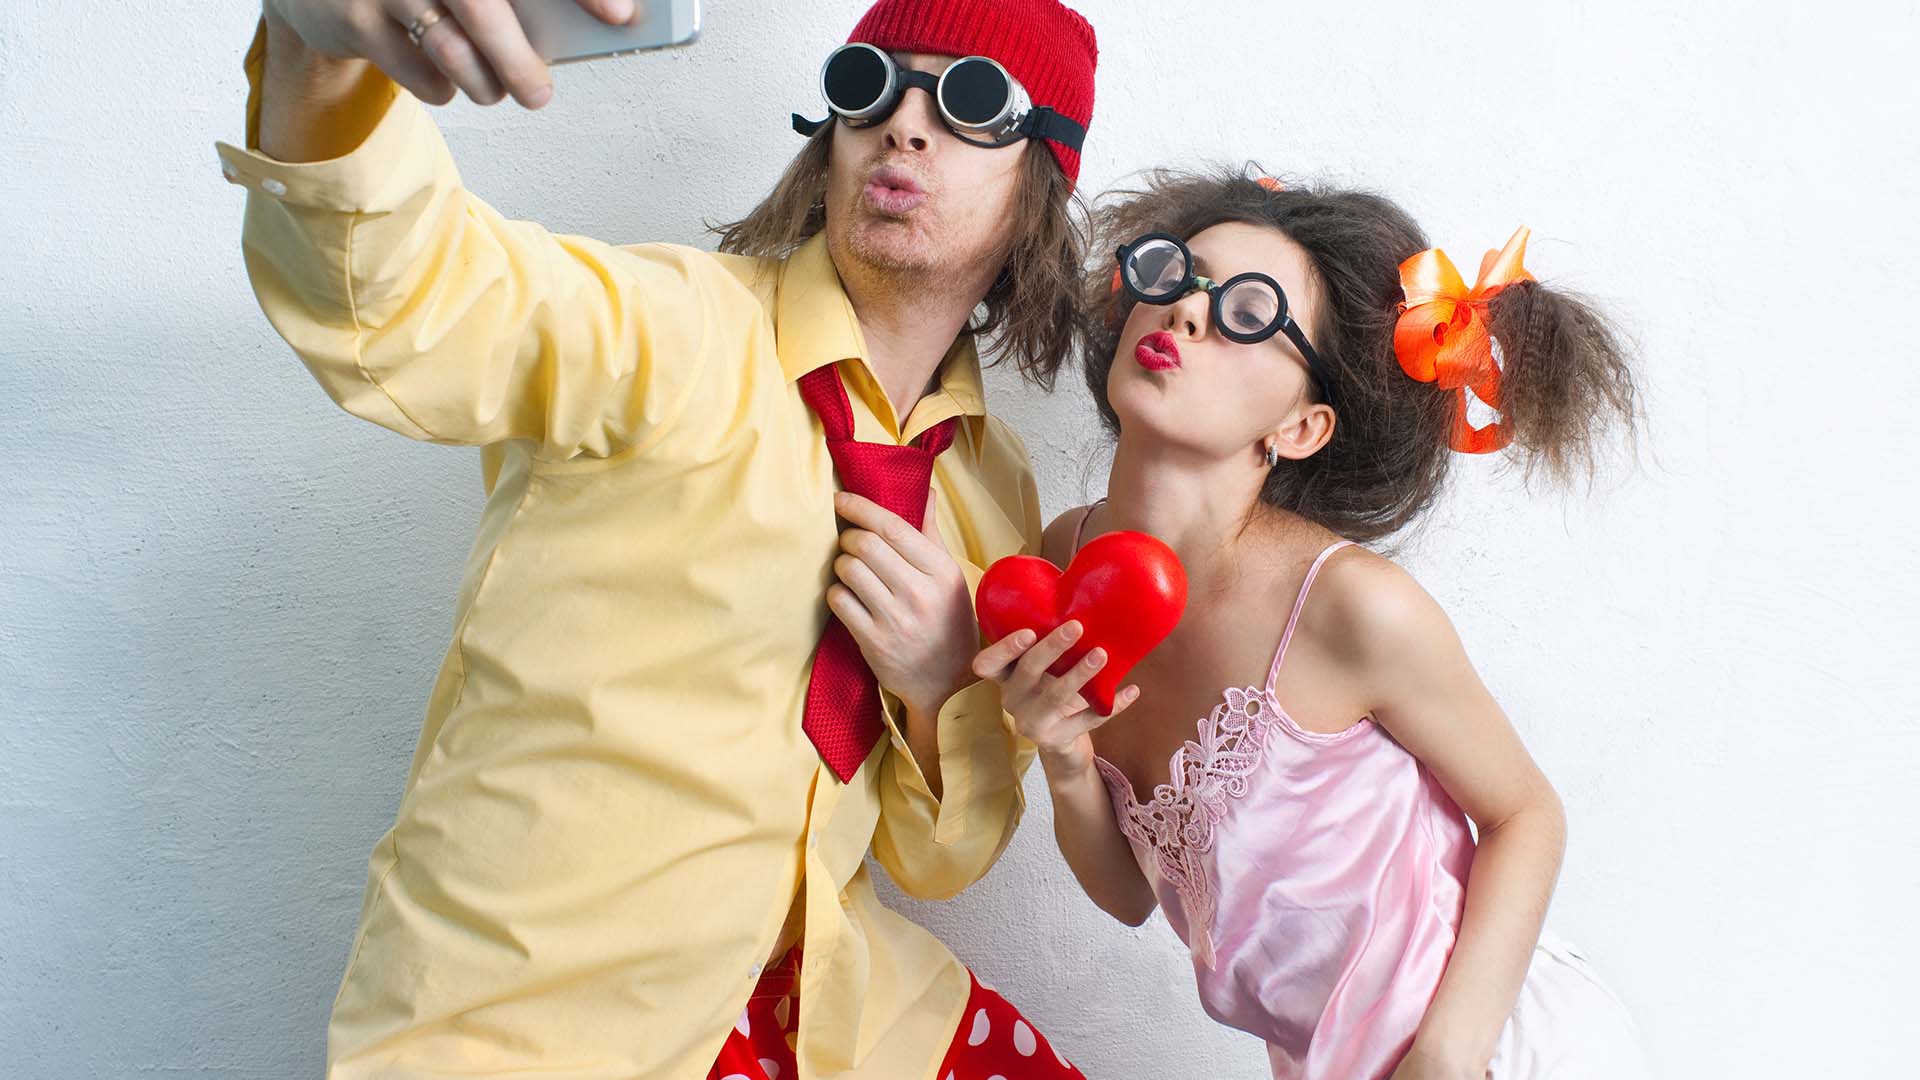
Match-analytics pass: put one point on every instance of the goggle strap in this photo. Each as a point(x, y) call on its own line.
point(1044, 123)
point(809, 127)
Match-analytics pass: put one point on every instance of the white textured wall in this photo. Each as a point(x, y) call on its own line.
point(222, 600)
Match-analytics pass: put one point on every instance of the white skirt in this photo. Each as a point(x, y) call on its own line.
point(1567, 1025)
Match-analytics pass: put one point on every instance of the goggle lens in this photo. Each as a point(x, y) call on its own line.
point(856, 79)
point(974, 92)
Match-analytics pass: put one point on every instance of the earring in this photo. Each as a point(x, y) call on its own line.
point(1273, 456)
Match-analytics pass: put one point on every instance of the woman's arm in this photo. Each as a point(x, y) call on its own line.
point(1050, 713)
point(1428, 696)
point(1089, 837)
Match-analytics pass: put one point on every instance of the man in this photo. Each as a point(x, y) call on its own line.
point(681, 704)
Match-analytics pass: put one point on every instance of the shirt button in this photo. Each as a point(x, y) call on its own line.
point(757, 969)
point(813, 842)
point(273, 187)
point(227, 170)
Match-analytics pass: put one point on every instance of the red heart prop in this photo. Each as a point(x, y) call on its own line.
point(1127, 590)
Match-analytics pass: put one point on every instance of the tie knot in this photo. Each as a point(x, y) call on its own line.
point(895, 477)
point(822, 391)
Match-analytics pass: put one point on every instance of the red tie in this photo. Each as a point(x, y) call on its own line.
point(843, 702)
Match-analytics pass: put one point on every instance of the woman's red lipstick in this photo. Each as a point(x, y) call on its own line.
point(1157, 352)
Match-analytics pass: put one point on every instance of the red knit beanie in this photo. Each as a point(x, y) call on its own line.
point(1049, 47)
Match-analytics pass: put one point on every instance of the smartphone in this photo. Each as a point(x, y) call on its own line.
point(561, 31)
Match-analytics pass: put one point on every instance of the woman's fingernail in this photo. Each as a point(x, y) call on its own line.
point(539, 96)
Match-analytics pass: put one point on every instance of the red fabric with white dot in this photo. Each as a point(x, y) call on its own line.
point(994, 1041)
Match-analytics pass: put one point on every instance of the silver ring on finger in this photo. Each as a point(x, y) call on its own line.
point(423, 22)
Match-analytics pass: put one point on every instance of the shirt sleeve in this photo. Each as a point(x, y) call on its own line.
point(934, 848)
point(419, 307)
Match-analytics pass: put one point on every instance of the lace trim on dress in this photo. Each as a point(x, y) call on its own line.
point(1205, 778)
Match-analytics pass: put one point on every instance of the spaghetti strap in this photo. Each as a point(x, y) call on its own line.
point(1080, 530)
point(1299, 603)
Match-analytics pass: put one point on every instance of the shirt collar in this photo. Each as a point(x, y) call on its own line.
point(814, 325)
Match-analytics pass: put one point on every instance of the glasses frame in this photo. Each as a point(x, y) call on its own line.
point(1283, 321)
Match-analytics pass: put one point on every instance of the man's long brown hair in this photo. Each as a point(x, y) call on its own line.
point(1031, 313)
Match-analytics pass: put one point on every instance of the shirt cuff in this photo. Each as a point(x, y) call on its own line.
point(387, 166)
point(977, 747)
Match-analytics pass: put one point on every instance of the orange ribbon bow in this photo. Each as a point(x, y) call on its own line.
point(1443, 336)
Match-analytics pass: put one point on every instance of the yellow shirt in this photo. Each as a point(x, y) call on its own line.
point(612, 808)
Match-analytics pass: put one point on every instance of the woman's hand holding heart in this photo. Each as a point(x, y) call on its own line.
point(1048, 710)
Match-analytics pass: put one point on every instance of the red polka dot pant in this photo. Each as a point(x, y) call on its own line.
point(994, 1041)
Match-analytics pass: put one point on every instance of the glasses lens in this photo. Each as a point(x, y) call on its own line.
point(1156, 268)
point(1250, 307)
point(974, 92)
point(855, 79)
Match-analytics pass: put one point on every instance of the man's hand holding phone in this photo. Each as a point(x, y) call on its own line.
point(436, 48)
